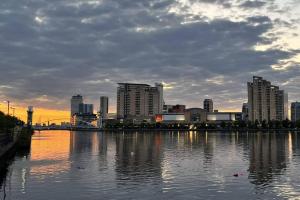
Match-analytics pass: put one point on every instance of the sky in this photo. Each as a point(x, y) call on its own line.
point(51, 50)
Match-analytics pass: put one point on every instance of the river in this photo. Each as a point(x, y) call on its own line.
point(65, 165)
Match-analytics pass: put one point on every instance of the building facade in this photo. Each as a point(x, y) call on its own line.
point(81, 113)
point(195, 115)
point(176, 109)
point(160, 88)
point(266, 101)
point(282, 106)
point(245, 111)
point(86, 108)
point(295, 111)
point(85, 120)
point(224, 117)
point(75, 102)
point(104, 107)
point(170, 118)
point(208, 105)
point(138, 101)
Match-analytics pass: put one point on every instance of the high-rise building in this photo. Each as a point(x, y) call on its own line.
point(160, 88)
point(104, 106)
point(266, 101)
point(258, 93)
point(75, 102)
point(295, 111)
point(245, 111)
point(208, 105)
point(138, 100)
point(282, 106)
point(167, 107)
point(86, 108)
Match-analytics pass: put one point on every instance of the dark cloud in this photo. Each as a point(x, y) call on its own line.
point(58, 48)
point(253, 4)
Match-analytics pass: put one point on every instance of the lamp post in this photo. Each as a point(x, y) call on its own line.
point(8, 102)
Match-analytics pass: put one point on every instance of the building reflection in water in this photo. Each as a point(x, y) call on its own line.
point(268, 154)
point(90, 146)
point(158, 158)
point(138, 157)
point(6, 170)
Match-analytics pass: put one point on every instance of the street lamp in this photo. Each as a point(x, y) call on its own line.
point(8, 102)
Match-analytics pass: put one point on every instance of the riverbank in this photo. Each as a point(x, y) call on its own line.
point(18, 138)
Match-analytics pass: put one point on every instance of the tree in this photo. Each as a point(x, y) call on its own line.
point(264, 124)
point(298, 123)
point(223, 124)
point(286, 123)
point(271, 124)
point(278, 124)
point(242, 124)
point(256, 124)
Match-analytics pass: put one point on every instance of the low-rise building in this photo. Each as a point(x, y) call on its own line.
point(170, 118)
point(224, 117)
point(85, 119)
point(176, 108)
point(195, 115)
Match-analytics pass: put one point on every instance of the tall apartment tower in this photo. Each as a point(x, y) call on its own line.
point(295, 111)
point(138, 100)
point(104, 106)
point(282, 106)
point(266, 101)
point(160, 88)
point(208, 105)
point(75, 102)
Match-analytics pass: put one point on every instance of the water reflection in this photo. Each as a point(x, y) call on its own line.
point(174, 165)
point(6, 171)
point(268, 156)
point(138, 157)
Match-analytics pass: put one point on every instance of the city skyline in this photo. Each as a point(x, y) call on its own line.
point(199, 49)
point(65, 115)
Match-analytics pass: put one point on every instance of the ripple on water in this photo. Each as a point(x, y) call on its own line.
point(87, 165)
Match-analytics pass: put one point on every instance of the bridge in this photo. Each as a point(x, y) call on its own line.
point(84, 125)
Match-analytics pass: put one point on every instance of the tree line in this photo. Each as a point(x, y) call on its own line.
point(8, 122)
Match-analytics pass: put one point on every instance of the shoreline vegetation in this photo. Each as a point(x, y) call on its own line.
point(13, 135)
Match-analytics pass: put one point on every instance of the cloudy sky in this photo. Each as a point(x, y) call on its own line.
point(51, 50)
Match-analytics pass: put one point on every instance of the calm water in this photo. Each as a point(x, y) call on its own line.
point(172, 165)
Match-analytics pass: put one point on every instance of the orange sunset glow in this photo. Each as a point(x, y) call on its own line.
point(41, 115)
point(46, 147)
